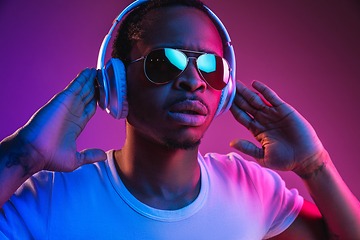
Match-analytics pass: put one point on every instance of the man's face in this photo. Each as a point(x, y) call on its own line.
point(177, 113)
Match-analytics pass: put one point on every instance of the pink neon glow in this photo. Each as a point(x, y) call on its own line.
point(308, 52)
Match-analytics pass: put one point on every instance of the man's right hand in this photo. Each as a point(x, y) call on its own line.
point(51, 132)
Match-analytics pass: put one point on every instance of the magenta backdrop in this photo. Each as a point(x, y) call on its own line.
point(308, 51)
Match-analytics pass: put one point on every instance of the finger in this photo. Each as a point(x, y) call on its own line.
point(250, 96)
point(254, 126)
point(89, 85)
point(89, 111)
point(91, 155)
point(241, 102)
point(79, 81)
point(90, 96)
point(241, 116)
point(264, 100)
point(268, 93)
point(248, 148)
point(257, 114)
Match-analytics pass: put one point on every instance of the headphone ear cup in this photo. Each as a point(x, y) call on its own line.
point(227, 97)
point(102, 89)
point(115, 75)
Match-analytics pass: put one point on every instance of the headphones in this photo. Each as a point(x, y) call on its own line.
point(112, 76)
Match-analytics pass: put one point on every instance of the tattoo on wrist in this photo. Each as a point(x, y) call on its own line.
point(314, 172)
point(15, 159)
point(331, 234)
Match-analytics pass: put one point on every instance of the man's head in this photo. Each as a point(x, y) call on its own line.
point(175, 114)
point(131, 28)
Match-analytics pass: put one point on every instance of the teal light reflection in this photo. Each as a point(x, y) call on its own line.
point(207, 63)
point(177, 58)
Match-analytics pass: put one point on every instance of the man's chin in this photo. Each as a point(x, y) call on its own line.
point(184, 145)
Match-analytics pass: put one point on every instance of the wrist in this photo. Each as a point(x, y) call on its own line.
point(15, 166)
point(21, 153)
point(313, 165)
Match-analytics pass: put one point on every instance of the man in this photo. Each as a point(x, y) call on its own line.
point(157, 186)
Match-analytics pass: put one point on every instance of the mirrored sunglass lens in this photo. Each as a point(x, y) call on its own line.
point(207, 63)
point(163, 65)
point(215, 70)
point(176, 58)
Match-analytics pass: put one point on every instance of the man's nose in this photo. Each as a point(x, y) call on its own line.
point(190, 79)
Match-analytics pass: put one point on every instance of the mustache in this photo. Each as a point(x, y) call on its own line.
point(183, 99)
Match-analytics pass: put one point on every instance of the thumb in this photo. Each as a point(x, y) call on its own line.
point(90, 155)
point(248, 148)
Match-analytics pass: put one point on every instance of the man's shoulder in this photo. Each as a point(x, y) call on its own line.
point(91, 169)
point(44, 181)
point(233, 166)
point(231, 162)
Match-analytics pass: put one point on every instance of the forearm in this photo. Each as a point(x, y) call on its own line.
point(338, 206)
point(16, 165)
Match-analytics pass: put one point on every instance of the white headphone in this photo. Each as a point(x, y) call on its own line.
point(112, 80)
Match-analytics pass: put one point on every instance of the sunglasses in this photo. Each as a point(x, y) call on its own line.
point(165, 64)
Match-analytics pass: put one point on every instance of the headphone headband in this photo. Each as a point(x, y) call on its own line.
point(105, 42)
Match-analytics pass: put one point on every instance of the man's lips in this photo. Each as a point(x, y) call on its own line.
point(193, 107)
point(189, 112)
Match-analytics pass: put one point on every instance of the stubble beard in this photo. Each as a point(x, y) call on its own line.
point(185, 145)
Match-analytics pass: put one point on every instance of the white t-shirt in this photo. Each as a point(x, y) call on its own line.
point(238, 199)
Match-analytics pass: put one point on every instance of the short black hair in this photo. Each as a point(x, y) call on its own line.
point(130, 29)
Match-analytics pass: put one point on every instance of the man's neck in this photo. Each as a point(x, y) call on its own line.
point(157, 175)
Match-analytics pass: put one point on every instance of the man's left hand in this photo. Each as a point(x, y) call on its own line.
point(289, 143)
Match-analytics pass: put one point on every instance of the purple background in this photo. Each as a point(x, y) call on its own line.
point(308, 51)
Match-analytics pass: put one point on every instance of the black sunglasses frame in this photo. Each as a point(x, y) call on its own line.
point(188, 59)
